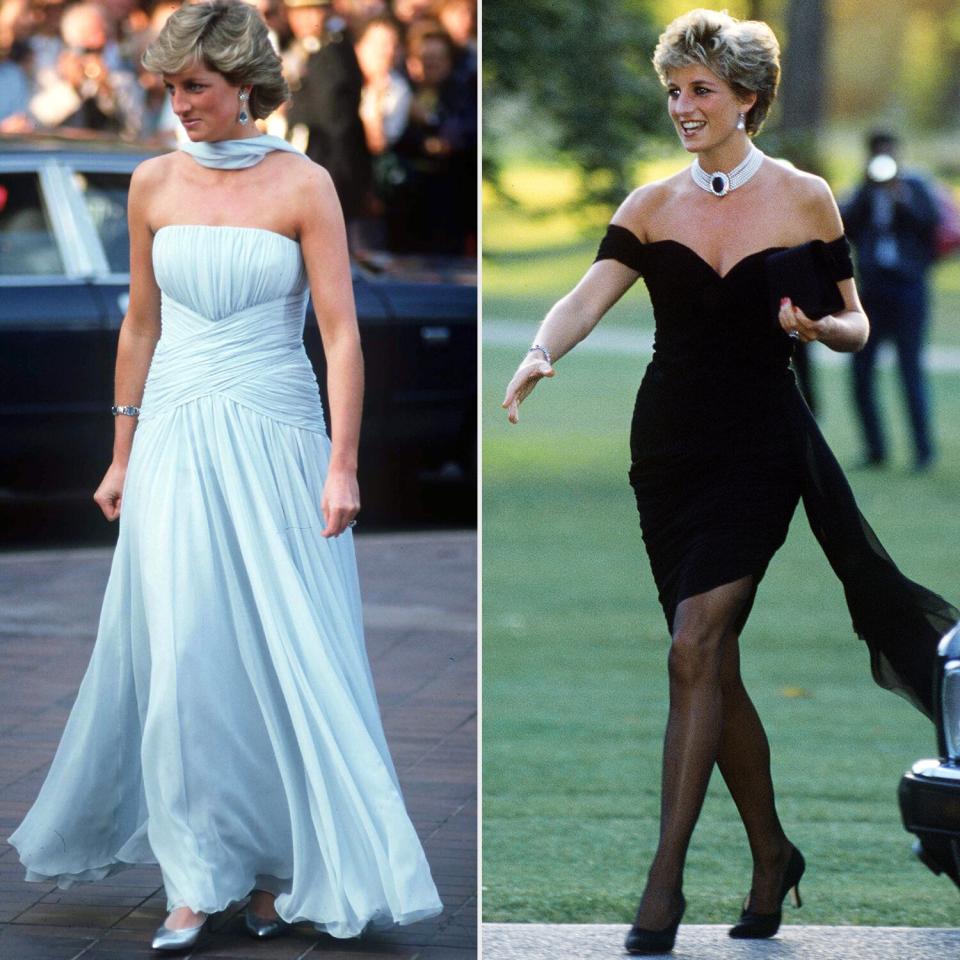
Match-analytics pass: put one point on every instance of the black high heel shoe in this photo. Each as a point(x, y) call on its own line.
point(758, 926)
point(643, 941)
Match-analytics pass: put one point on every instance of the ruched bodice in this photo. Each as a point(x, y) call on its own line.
point(723, 447)
point(710, 324)
point(233, 301)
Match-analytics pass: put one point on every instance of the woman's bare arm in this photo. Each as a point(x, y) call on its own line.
point(568, 322)
point(572, 318)
point(323, 241)
point(138, 338)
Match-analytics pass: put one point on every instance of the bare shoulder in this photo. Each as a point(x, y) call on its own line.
point(306, 185)
point(298, 170)
point(152, 171)
point(802, 186)
point(810, 198)
point(147, 188)
point(645, 205)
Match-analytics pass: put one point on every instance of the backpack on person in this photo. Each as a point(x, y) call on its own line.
point(947, 236)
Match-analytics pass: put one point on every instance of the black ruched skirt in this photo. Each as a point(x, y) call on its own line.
point(717, 471)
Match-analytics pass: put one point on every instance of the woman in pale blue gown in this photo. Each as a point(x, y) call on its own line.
point(227, 726)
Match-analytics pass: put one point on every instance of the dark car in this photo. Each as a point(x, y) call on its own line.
point(930, 790)
point(64, 288)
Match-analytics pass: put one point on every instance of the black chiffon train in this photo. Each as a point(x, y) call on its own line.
point(723, 447)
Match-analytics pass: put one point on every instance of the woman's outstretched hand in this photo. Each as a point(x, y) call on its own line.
point(109, 495)
point(524, 380)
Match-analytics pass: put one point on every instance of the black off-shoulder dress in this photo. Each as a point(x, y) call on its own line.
point(723, 447)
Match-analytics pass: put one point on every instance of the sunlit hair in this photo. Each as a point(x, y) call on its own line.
point(229, 37)
point(744, 53)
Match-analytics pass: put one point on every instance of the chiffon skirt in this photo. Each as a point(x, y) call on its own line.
point(227, 727)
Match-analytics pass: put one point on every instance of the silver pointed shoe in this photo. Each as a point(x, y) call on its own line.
point(263, 929)
point(176, 941)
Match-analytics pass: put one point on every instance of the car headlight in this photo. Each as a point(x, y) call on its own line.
point(950, 706)
point(949, 682)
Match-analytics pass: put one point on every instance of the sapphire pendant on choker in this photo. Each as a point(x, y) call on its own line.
point(720, 183)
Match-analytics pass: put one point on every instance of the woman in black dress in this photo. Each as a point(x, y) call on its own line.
point(723, 446)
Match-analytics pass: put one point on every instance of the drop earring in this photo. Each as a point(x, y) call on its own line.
point(741, 121)
point(244, 117)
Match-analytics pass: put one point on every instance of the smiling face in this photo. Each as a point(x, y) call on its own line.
point(206, 104)
point(703, 107)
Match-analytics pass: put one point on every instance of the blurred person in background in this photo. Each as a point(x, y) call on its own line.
point(384, 110)
point(459, 19)
point(45, 40)
point(89, 88)
point(159, 123)
point(892, 219)
point(438, 148)
point(275, 17)
point(324, 117)
point(409, 11)
point(386, 96)
point(15, 65)
point(142, 26)
point(359, 12)
point(272, 13)
point(123, 19)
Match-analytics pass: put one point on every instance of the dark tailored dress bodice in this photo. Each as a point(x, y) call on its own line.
point(723, 447)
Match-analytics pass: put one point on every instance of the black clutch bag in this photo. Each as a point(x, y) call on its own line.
point(805, 274)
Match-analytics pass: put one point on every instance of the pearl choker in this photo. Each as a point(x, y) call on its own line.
point(720, 183)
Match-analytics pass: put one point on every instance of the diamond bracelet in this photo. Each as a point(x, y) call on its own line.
point(543, 350)
point(125, 411)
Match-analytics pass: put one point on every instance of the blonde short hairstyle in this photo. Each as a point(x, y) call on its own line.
point(229, 37)
point(744, 53)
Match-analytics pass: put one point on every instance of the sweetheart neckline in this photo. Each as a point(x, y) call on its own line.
point(223, 226)
point(704, 261)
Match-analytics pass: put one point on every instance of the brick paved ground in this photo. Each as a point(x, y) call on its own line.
point(419, 593)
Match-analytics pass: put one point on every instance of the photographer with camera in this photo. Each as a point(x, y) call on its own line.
point(891, 219)
point(89, 88)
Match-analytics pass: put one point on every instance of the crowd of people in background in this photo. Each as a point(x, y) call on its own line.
point(384, 95)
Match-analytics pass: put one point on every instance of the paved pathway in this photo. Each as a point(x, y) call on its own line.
point(574, 941)
point(420, 615)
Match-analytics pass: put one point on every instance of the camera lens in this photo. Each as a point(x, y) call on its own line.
point(882, 168)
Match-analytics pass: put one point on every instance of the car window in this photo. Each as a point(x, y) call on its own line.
point(27, 244)
point(105, 195)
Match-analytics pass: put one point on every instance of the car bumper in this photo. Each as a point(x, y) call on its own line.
point(929, 796)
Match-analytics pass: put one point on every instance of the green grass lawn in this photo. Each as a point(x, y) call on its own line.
point(574, 668)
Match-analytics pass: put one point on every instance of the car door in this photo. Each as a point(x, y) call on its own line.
point(52, 362)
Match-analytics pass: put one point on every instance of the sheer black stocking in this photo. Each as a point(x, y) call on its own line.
point(711, 720)
point(744, 762)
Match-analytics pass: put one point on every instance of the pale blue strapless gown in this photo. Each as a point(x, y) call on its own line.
point(227, 726)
